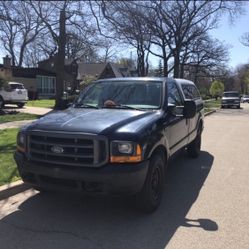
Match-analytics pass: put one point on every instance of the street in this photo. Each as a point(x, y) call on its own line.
point(205, 204)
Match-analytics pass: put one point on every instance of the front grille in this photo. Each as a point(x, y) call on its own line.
point(73, 149)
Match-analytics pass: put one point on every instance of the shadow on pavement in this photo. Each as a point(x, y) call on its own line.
point(73, 221)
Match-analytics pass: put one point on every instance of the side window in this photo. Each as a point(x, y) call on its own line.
point(190, 91)
point(174, 96)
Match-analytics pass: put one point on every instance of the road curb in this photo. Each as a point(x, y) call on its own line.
point(14, 188)
point(208, 113)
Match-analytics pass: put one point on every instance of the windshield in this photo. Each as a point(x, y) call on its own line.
point(16, 86)
point(122, 94)
point(232, 94)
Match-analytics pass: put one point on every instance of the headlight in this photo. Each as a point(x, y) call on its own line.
point(125, 148)
point(21, 140)
point(125, 151)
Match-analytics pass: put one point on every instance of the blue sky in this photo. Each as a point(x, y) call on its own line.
point(231, 34)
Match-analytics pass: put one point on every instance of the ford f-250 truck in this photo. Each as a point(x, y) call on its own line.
point(116, 138)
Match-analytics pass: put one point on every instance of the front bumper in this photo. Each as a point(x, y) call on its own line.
point(111, 178)
point(230, 104)
point(15, 101)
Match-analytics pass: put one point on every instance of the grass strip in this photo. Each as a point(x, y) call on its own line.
point(46, 103)
point(17, 117)
point(8, 169)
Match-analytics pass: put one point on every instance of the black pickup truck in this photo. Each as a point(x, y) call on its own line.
point(116, 138)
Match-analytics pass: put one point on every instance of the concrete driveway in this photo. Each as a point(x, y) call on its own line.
point(28, 109)
point(205, 205)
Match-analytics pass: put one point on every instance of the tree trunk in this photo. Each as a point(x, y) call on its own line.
point(182, 71)
point(165, 61)
point(140, 62)
point(176, 64)
point(60, 62)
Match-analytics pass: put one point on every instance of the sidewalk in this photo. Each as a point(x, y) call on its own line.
point(26, 109)
point(29, 109)
point(15, 124)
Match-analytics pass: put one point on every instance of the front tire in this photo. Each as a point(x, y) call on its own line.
point(194, 148)
point(150, 197)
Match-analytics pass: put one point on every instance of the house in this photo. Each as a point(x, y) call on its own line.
point(70, 67)
point(34, 79)
point(77, 71)
point(103, 71)
point(42, 80)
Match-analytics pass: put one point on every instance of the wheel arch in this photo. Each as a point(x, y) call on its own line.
point(161, 150)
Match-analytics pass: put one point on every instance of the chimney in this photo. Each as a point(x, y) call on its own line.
point(7, 61)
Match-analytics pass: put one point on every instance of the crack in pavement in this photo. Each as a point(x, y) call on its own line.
point(19, 227)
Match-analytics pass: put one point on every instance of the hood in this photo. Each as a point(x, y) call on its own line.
point(95, 121)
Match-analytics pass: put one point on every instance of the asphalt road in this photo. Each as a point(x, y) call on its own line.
point(205, 205)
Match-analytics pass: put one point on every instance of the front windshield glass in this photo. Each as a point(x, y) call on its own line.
point(122, 94)
point(231, 95)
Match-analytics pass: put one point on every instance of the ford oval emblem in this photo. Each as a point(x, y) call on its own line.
point(57, 149)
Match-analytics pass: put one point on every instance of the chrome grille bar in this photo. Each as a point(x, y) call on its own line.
point(76, 149)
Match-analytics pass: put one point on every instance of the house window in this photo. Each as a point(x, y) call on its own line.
point(46, 85)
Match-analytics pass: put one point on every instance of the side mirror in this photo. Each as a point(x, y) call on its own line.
point(189, 109)
point(175, 110)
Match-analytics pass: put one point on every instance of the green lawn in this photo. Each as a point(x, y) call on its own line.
point(47, 103)
point(8, 169)
point(17, 117)
point(211, 105)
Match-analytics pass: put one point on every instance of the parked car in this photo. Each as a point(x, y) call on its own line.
point(14, 93)
point(245, 98)
point(229, 99)
point(116, 138)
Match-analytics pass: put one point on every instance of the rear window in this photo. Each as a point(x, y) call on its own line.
point(16, 86)
point(231, 94)
point(190, 91)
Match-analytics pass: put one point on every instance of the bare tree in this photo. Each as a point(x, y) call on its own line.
point(126, 24)
point(107, 50)
point(18, 29)
point(72, 16)
point(185, 21)
point(245, 39)
point(204, 56)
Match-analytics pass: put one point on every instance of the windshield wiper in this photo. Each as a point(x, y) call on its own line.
point(86, 106)
point(121, 107)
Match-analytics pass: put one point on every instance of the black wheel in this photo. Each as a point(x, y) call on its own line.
point(150, 196)
point(1, 103)
point(20, 105)
point(238, 107)
point(194, 148)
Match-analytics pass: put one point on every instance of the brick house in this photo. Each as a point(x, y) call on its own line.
point(34, 79)
point(42, 80)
